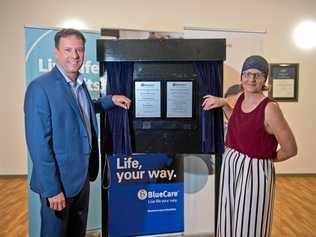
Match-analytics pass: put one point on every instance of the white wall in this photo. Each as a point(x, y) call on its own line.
point(277, 17)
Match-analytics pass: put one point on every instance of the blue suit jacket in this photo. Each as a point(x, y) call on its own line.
point(57, 137)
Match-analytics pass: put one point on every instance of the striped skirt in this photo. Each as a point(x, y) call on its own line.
point(246, 196)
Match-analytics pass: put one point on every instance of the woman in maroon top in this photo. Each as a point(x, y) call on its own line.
point(256, 128)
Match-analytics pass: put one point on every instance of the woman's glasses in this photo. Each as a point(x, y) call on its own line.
point(256, 75)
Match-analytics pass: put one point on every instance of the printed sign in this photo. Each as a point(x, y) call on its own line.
point(146, 195)
point(147, 99)
point(179, 99)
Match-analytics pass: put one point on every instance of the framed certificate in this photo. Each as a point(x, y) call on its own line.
point(147, 99)
point(179, 99)
point(284, 81)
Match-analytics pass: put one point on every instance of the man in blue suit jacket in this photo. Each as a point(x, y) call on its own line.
point(62, 138)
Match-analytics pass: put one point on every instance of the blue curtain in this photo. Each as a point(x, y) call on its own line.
point(120, 78)
point(211, 122)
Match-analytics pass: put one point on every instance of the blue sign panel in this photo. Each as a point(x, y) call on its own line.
point(146, 195)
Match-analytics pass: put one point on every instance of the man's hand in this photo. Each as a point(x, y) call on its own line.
point(122, 101)
point(57, 202)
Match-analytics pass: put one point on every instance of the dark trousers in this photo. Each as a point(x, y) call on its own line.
point(71, 221)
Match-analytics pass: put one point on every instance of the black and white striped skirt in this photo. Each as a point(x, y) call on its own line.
point(246, 196)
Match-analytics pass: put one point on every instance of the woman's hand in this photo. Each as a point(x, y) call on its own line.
point(212, 102)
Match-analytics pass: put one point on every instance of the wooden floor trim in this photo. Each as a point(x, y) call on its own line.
point(13, 176)
point(294, 209)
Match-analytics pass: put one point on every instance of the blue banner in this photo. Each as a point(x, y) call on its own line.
point(146, 195)
point(39, 59)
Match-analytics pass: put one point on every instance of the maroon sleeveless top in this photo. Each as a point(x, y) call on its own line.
point(246, 132)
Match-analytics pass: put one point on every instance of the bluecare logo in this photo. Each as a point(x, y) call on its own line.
point(144, 194)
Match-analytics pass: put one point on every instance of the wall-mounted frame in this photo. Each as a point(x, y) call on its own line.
point(147, 97)
point(284, 81)
point(179, 99)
